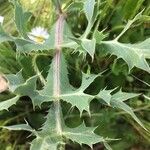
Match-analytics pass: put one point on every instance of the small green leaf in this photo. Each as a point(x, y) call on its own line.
point(74, 6)
point(99, 36)
point(89, 46)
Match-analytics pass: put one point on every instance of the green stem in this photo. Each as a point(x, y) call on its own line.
point(58, 6)
point(56, 71)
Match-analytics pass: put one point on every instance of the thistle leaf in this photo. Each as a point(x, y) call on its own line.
point(77, 97)
point(4, 105)
point(19, 127)
point(83, 135)
point(126, 108)
point(29, 89)
point(122, 96)
point(43, 144)
point(49, 127)
point(87, 79)
point(91, 13)
point(105, 95)
point(18, 86)
point(89, 46)
point(89, 9)
point(83, 45)
point(15, 80)
point(133, 54)
point(21, 18)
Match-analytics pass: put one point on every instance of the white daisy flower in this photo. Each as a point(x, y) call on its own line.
point(1, 19)
point(38, 35)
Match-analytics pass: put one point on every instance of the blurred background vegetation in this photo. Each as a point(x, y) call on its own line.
point(112, 123)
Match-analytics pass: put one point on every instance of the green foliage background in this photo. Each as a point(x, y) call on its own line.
point(113, 123)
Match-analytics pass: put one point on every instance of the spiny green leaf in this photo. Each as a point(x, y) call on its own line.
point(89, 9)
point(8, 103)
point(29, 89)
point(49, 127)
point(15, 80)
point(99, 36)
point(77, 97)
point(43, 144)
point(21, 18)
point(39, 143)
point(48, 137)
point(105, 95)
point(117, 100)
point(91, 13)
point(83, 135)
point(126, 108)
point(87, 79)
point(20, 87)
point(89, 46)
point(82, 45)
point(133, 54)
point(128, 25)
point(122, 96)
point(25, 127)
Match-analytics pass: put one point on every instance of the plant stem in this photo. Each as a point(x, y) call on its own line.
point(56, 71)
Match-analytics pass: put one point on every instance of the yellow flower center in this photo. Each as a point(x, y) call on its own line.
point(39, 39)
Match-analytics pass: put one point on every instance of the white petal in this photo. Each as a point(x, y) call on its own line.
point(31, 37)
point(39, 32)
